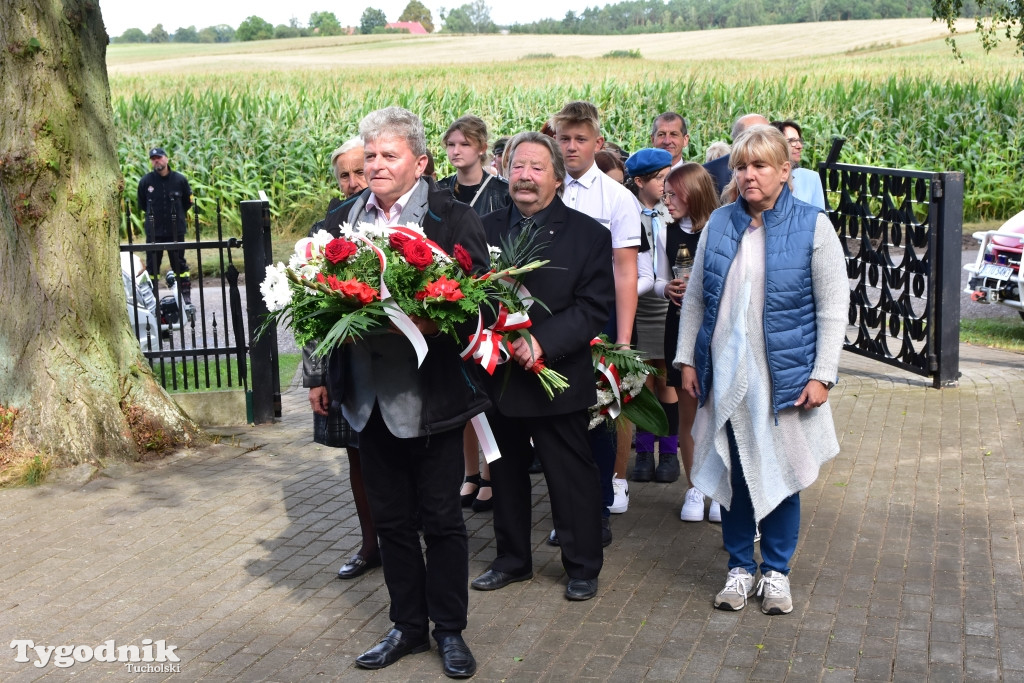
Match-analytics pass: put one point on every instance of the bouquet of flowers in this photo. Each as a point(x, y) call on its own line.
point(339, 288)
point(513, 318)
point(621, 374)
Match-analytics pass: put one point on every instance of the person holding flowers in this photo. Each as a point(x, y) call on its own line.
point(577, 289)
point(410, 416)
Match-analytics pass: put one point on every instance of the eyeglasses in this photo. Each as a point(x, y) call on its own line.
point(795, 141)
point(668, 195)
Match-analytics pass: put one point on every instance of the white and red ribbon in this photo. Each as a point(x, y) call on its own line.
point(611, 373)
point(488, 444)
point(402, 322)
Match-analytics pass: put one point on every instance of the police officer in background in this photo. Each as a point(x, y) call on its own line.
point(165, 196)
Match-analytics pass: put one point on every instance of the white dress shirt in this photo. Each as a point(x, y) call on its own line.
point(607, 202)
point(389, 220)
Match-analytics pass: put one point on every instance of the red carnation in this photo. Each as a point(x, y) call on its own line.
point(358, 290)
point(418, 254)
point(442, 288)
point(339, 249)
point(397, 240)
point(463, 258)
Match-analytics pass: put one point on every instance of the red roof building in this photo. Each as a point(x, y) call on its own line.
point(413, 27)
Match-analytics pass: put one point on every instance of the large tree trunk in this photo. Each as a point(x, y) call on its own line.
point(69, 362)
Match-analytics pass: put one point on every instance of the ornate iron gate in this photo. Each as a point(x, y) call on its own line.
point(203, 343)
point(901, 233)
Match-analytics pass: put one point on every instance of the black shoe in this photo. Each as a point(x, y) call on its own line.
point(492, 580)
point(535, 466)
point(606, 534)
point(390, 649)
point(468, 498)
point(643, 469)
point(456, 659)
point(357, 566)
point(668, 468)
point(581, 589)
point(486, 504)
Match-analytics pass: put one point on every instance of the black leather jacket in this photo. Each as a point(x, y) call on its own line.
point(493, 196)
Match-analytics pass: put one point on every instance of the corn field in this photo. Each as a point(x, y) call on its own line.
point(233, 135)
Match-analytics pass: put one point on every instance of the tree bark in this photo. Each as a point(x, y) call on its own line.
point(68, 359)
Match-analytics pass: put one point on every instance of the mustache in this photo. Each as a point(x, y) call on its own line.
point(524, 185)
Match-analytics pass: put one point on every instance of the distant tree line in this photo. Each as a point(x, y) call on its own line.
point(257, 28)
point(658, 16)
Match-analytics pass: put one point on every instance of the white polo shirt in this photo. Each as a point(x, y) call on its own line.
point(607, 202)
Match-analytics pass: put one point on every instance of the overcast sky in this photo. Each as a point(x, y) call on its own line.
point(119, 15)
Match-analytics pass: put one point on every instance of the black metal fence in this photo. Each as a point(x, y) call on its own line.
point(901, 233)
point(199, 342)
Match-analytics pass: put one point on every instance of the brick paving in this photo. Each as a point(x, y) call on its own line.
point(909, 565)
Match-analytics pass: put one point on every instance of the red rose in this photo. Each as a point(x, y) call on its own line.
point(463, 258)
point(358, 290)
point(339, 249)
point(418, 254)
point(441, 289)
point(397, 240)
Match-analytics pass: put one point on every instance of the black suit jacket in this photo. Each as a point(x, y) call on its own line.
point(578, 288)
point(720, 172)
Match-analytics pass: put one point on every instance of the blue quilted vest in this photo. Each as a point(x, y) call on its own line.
point(790, 329)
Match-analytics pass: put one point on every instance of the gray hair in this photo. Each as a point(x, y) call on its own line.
point(668, 117)
point(557, 160)
point(350, 144)
point(394, 122)
point(746, 121)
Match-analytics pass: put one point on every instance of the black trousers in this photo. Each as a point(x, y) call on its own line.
point(574, 488)
point(411, 482)
point(176, 256)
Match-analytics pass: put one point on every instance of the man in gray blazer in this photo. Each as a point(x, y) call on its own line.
point(410, 419)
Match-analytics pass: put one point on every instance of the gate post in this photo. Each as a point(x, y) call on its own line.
point(947, 220)
point(256, 250)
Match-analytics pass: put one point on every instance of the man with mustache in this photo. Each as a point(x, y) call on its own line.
point(577, 289)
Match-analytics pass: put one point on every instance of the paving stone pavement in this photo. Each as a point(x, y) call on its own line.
point(909, 565)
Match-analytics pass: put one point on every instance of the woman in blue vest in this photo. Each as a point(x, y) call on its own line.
point(763, 322)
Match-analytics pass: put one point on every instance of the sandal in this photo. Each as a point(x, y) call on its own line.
point(469, 498)
point(485, 504)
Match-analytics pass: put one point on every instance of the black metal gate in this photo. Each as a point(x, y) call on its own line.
point(901, 233)
point(202, 344)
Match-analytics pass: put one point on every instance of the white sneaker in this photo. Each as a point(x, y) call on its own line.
point(774, 589)
point(621, 501)
point(715, 513)
point(739, 586)
point(693, 506)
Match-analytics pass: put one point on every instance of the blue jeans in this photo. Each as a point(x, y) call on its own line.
point(779, 530)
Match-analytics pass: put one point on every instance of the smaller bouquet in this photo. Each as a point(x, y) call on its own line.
point(513, 320)
point(621, 390)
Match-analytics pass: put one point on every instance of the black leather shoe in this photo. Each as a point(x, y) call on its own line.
point(390, 649)
point(581, 589)
point(553, 538)
point(535, 466)
point(483, 505)
point(492, 580)
point(357, 566)
point(456, 659)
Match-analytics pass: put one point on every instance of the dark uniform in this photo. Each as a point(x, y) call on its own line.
point(164, 200)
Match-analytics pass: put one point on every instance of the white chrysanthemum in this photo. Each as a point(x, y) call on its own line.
point(604, 397)
point(632, 383)
point(320, 241)
point(308, 271)
point(275, 289)
point(371, 231)
point(595, 421)
point(494, 251)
